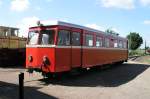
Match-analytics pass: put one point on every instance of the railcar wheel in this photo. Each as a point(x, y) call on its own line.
point(52, 75)
point(119, 63)
point(47, 75)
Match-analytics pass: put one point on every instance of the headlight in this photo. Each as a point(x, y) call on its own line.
point(46, 60)
point(30, 58)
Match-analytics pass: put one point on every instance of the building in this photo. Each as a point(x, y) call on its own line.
point(8, 31)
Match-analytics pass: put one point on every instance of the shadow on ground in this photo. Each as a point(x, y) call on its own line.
point(112, 77)
point(12, 66)
point(10, 91)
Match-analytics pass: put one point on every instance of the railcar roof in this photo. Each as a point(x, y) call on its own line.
point(61, 23)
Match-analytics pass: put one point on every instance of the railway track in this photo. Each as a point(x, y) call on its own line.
point(133, 57)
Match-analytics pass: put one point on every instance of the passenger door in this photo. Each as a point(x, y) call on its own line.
point(63, 51)
point(76, 49)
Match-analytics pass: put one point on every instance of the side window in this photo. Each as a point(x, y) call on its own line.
point(75, 39)
point(112, 42)
point(99, 41)
point(124, 44)
point(115, 43)
point(107, 42)
point(63, 37)
point(120, 44)
point(88, 40)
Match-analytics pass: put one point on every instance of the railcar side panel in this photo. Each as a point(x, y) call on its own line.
point(76, 57)
point(63, 59)
point(97, 56)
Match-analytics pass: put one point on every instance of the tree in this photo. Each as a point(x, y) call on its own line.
point(135, 40)
point(110, 31)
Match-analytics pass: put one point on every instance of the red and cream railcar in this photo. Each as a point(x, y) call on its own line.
point(64, 46)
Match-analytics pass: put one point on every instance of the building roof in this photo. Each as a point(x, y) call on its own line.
point(6, 27)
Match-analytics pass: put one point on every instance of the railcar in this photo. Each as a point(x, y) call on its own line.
point(62, 46)
point(12, 47)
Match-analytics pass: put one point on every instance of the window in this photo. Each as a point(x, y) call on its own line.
point(63, 37)
point(115, 43)
point(120, 44)
point(99, 41)
point(107, 42)
point(47, 37)
point(75, 39)
point(33, 37)
point(88, 40)
point(124, 44)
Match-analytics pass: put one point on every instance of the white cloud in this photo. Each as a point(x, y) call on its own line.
point(122, 4)
point(25, 23)
point(115, 30)
point(49, 22)
point(19, 5)
point(147, 22)
point(145, 2)
point(95, 26)
point(52, 21)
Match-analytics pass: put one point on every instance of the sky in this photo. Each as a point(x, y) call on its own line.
point(122, 16)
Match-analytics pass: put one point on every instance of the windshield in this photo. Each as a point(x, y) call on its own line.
point(33, 37)
point(47, 37)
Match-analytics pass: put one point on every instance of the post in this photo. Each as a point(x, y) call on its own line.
point(145, 47)
point(21, 86)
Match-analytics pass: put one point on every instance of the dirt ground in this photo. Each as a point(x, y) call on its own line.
point(143, 59)
point(127, 81)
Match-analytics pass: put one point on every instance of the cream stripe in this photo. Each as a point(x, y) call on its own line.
point(63, 46)
point(84, 47)
point(76, 46)
point(40, 46)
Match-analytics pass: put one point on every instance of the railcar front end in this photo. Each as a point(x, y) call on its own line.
point(40, 50)
point(48, 50)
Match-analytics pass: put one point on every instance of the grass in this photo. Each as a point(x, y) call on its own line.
point(143, 58)
point(146, 60)
point(138, 52)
